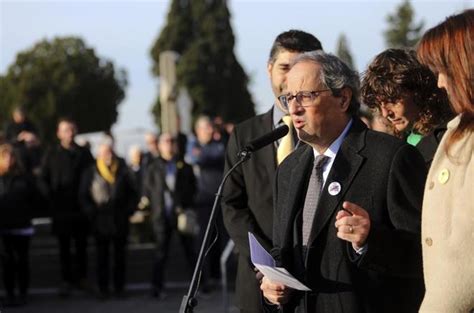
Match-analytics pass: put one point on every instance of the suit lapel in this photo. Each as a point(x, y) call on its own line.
point(268, 152)
point(344, 169)
point(297, 187)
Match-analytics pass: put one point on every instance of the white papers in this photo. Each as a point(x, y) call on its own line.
point(282, 276)
point(265, 263)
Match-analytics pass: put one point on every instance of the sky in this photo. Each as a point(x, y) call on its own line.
point(124, 32)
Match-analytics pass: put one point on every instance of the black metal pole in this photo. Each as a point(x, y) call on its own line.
point(189, 300)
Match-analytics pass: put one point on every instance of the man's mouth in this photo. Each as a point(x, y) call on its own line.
point(298, 123)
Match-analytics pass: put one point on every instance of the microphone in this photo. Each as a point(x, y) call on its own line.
point(264, 140)
point(189, 300)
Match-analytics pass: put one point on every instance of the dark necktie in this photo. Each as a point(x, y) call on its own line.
point(312, 196)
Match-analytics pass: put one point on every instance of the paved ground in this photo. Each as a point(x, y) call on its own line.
point(45, 279)
point(137, 301)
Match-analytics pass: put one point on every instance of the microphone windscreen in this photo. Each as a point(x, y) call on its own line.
point(267, 139)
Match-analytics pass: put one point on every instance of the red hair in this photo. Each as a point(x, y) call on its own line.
point(448, 48)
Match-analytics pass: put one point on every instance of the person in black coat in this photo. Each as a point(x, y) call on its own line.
point(109, 198)
point(355, 239)
point(24, 135)
point(207, 157)
point(19, 195)
point(20, 126)
point(170, 186)
point(61, 173)
point(247, 201)
point(152, 152)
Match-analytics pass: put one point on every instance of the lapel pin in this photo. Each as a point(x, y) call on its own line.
point(443, 176)
point(334, 188)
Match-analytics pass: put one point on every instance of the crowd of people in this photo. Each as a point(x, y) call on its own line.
point(165, 190)
point(370, 206)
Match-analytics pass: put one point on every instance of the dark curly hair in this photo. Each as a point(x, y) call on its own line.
point(396, 73)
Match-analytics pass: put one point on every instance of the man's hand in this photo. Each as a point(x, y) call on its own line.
point(353, 224)
point(274, 292)
point(258, 275)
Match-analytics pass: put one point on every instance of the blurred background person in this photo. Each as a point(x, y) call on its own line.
point(62, 169)
point(181, 140)
point(405, 93)
point(448, 205)
point(136, 168)
point(207, 157)
point(170, 185)
point(24, 135)
point(19, 196)
point(151, 140)
point(220, 132)
point(109, 198)
point(140, 228)
point(19, 126)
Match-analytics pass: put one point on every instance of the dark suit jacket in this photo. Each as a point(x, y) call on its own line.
point(19, 199)
point(154, 187)
point(384, 176)
point(247, 202)
point(61, 174)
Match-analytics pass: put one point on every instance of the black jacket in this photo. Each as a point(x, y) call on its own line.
point(428, 144)
point(19, 198)
point(108, 206)
point(385, 177)
point(14, 129)
point(247, 202)
point(61, 175)
point(154, 188)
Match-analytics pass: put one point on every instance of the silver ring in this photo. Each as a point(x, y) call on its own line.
point(351, 230)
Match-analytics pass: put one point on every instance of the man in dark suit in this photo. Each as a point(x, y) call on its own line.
point(347, 204)
point(62, 170)
point(247, 201)
point(170, 185)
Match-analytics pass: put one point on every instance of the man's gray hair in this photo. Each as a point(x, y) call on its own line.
point(334, 74)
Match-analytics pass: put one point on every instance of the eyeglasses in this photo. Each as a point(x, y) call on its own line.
point(303, 98)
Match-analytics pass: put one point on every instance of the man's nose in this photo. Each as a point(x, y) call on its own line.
point(294, 107)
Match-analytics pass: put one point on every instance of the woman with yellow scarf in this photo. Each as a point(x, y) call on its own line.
point(109, 198)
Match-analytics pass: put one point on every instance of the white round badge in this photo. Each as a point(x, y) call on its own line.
point(334, 188)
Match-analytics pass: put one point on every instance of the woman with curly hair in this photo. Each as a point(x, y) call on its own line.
point(404, 91)
point(448, 206)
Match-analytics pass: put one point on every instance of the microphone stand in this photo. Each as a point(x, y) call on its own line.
point(189, 300)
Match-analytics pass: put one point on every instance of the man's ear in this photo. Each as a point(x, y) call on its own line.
point(269, 69)
point(346, 96)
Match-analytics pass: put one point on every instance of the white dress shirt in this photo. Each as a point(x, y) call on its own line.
point(331, 152)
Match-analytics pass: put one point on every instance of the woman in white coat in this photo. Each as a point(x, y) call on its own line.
point(448, 205)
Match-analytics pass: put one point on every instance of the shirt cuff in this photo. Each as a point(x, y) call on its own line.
point(362, 249)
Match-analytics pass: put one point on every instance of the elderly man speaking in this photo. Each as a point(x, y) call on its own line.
point(347, 204)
